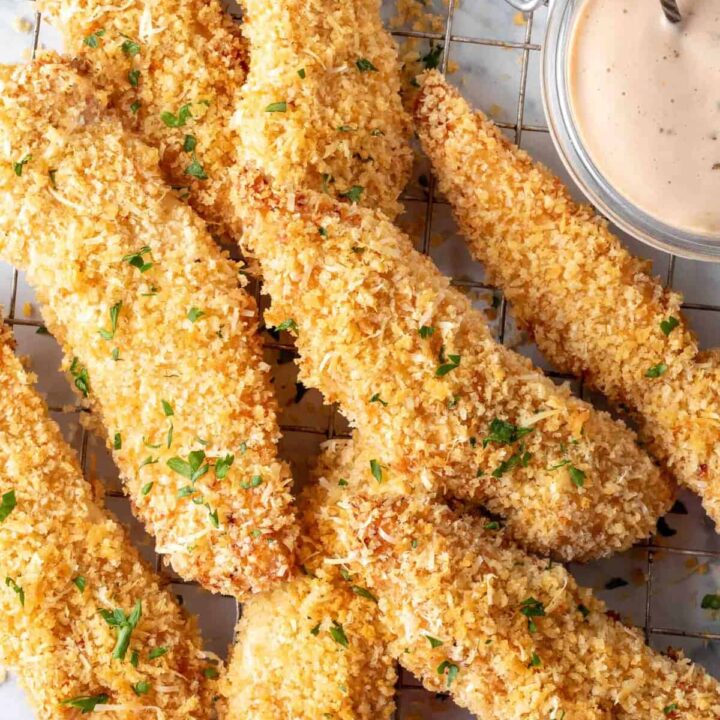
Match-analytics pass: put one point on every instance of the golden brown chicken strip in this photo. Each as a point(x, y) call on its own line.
point(506, 634)
point(157, 330)
point(414, 366)
point(84, 623)
point(592, 308)
point(321, 107)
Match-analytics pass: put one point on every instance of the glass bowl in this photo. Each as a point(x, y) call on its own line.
point(567, 140)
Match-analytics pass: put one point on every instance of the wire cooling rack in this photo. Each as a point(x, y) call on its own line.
point(492, 53)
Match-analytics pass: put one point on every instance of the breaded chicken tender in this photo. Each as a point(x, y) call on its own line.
point(159, 335)
point(83, 622)
point(321, 108)
point(173, 71)
point(414, 366)
point(592, 308)
point(509, 636)
point(311, 649)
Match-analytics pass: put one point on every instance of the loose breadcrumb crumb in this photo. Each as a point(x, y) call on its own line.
point(66, 558)
point(156, 328)
point(21, 25)
point(414, 366)
point(593, 309)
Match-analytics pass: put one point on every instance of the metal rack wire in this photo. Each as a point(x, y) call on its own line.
point(449, 39)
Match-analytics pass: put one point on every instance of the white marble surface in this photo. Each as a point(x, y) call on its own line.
point(490, 76)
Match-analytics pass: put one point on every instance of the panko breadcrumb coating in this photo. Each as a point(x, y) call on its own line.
point(321, 107)
point(507, 634)
point(414, 366)
point(592, 308)
point(173, 69)
point(308, 650)
point(157, 330)
point(62, 560)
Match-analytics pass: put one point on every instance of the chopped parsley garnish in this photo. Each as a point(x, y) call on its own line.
point(277, 107)
point(338, 634)
point(18, 166)
point(85, 703)
point(125, 625)
point(134, 77)
point(141, 688)
point(451, 669)
point(7, 504)
point(376, 398)
point(364, 65)
point(504, 433)
point(289, 324)
point(617, 582)
point(135, 106)
point(117, 441)
point(667, 326)
point(80, 583)
point(146, 488)
point(577, 476)
point(179, 120)
point(157, 652)
point(532, 608)
point(710, 602)
point(521, 458)
point(445, 368)
point(211, 672)
point(431, 60)
point(114, 315)
point(323, 232)
point(80, 375)
point(194, 314)
point(582, 609)
point(256, 533)
point(656, 370)
point(346, 128)
point(93, 40)
point(363, 593)
point(196, 170)
point(222, 465)
point(193, 468)
point(315, 630)
point(342, 482)
point(562, 463)
point(190, 143)
point(376, 470)
point(129, 47)
point(167, 408)
point(301, 73)
point(253, 482)
point(16, 589)
point(491, 525)
point(434, 642)
point(426, 331)
point(353, 194)
point(214, 520)
point(149, 460)
point(134, 658)
point(534, 660)
point(136, 259)
point(670, 708)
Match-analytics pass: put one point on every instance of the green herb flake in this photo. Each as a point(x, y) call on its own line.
point(80, 376)
point(577, 476)
point(16, 589)
point(377, 399)
point(364, 65)
point(363, 593)
point(133, 77)
point(426, 331)
point(141, 688)
point(583, 610)
point(532, 608)
point(117, 441)
point(342, 482)
point(130, 48)
point(157, 652)
point(179, 120)
point(535, 660)
point(196, 170)
point(85, 703)
point(667, 326)
point(125, 626)
point(710, 602)
point(114, 315)
point(451, 669)
point(323, 232)
point(353, 194)
point(376, 470)
point(338, 634)
point(277, 107)
point(445, 368)
point(672, 707)
point(7, 504)
point(289, 325)
point(521, 458)
point(193, 468)
point(211, 672)
point(223, 465)
point(301, 73)
point(214, 520)
point(194, 314)
point(315, 630)
point(502, 432)
point(136, 259)
point(80, 583)
point(18, 166)
point(656, 371)
point(167, 408)
point(135, 658)
point(434, 642)
point(491, 525)
point(146, 488)
point(253, 482)
point(190, 143)
point(149, 460)
point(93, 40)
point(135, 106)
point(345, 128)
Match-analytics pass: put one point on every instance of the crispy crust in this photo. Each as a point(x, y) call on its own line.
point(359, 295)
point(287, 666)
point(57, 642)
point(592, 308)
point(188, 51)
point(442, 574)
point(73, 232)
point(342, 123)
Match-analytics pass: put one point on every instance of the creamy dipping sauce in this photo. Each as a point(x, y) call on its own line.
point(645, 97)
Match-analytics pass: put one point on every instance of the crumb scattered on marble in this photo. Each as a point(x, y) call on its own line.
point(22, 25)
point(519, 19)
point(27, 309)
point(495, 111)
